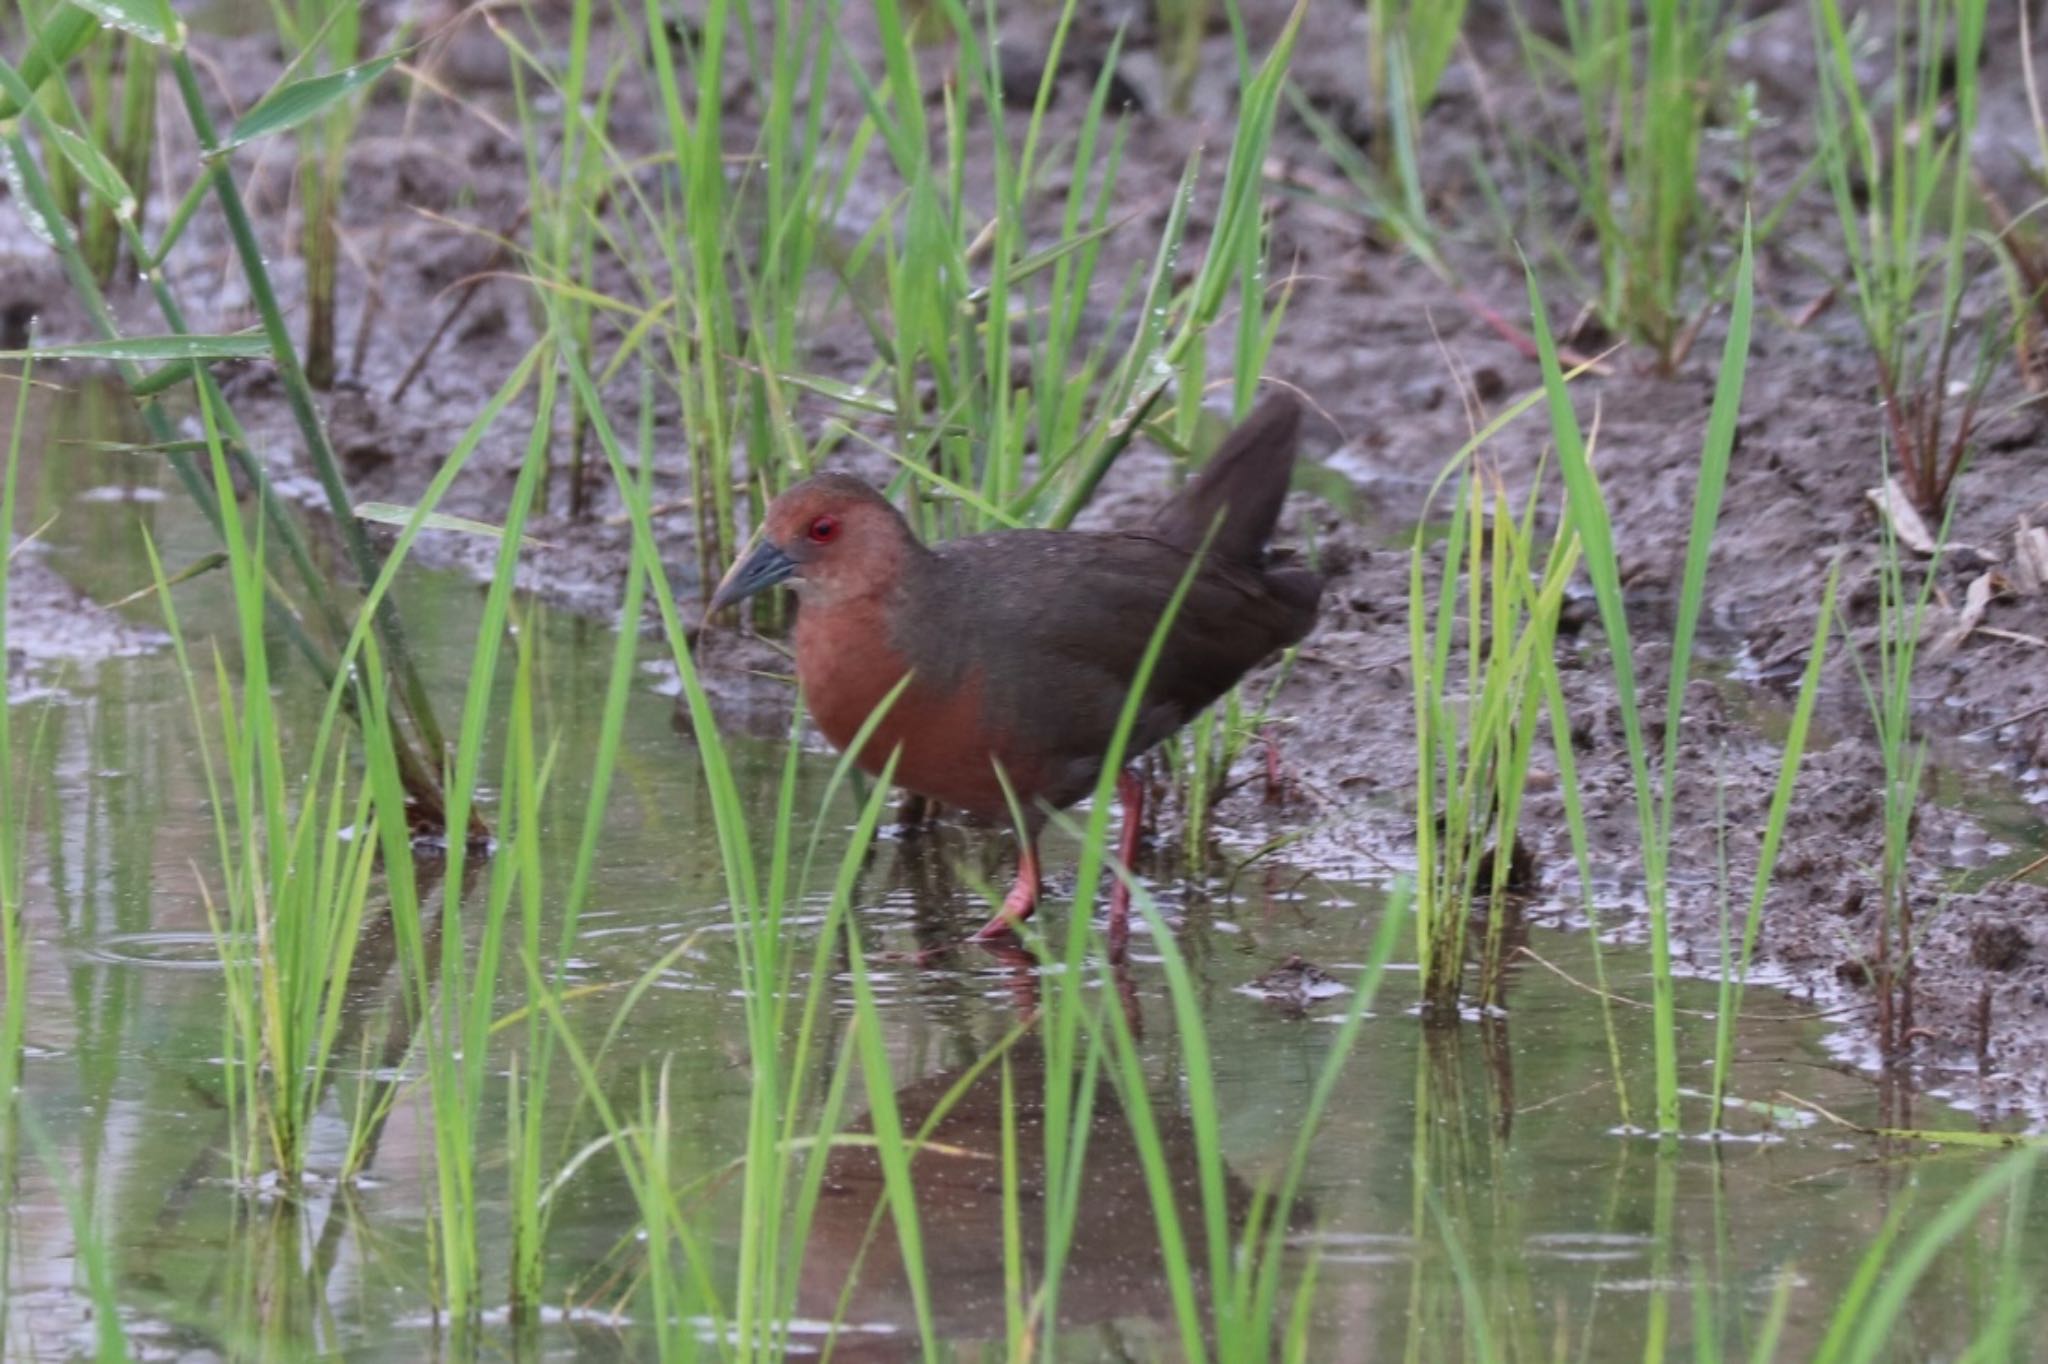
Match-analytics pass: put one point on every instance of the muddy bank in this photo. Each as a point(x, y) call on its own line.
point(1401, 368)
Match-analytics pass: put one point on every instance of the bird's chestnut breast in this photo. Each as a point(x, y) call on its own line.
point(947, 743)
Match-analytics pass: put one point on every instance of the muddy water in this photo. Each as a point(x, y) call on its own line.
point(1465, 1183)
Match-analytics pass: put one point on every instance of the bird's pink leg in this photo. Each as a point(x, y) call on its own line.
point(1130, 794)
point(1023, 896)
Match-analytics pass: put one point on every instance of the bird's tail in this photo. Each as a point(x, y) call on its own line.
point(1243, 484)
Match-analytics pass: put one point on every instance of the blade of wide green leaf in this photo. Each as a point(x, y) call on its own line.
point(60, 38)
point(290, 105)
point(153, 21)
point(154, 349)
point(392, 514)
point(204, 564)
point(93, 167)
point(13, 153)
point(124, 447)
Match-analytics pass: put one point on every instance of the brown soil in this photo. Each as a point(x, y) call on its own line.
point(1400, 367)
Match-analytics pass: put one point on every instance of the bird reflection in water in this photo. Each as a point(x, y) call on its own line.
point(1114, 1273)
point(1113, 1270)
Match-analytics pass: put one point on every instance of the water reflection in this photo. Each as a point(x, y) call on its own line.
point(1114, 1269)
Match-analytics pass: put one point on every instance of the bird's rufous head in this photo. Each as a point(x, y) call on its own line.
point(833, 536)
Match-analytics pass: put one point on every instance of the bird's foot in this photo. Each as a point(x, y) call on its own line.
point(1019, 903)
point(1017, 907)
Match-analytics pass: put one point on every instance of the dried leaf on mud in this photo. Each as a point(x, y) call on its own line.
point(1976, 600)
point(2030, 559)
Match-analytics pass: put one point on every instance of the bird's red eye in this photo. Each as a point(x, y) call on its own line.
point(824, 530)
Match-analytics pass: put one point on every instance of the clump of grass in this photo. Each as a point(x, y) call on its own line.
point(1655, 774)
point(1475, 734)
point(1643, 79)
point(1901, 184)
point(1412, 42)
point(1239, 1269)
point(297, 835)
point(295, 887)
point(1888, 693)
point(325, 37)
point(109, 120)
point(961, 297)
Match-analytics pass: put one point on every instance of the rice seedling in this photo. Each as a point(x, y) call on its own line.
point(454, 987)
point(1643, 81)
point(1388, 188)
point(781, 1168)
point(1408, 48)
point(325, 38)
point(1413, 44)
point(1736, 956)
point(528, 1160)
point(562, 228)
point(1902, 614)
point(1901, 182)
point(914, 274)
point(296, 851)
point(295, 862)
point(1587, 517)
point(14, 954)
point(1241, 1275)
point(1475, 734)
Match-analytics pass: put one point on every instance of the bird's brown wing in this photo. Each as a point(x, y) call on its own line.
point(1056, 624)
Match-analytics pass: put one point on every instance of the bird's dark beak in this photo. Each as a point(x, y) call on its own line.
point(760, 570)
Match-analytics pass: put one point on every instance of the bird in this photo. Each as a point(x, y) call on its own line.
point(1020, 646)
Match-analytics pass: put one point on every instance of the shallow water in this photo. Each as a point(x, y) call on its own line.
point(1467, 1184)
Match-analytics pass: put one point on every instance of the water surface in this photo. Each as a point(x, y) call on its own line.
point(1468, 1184)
